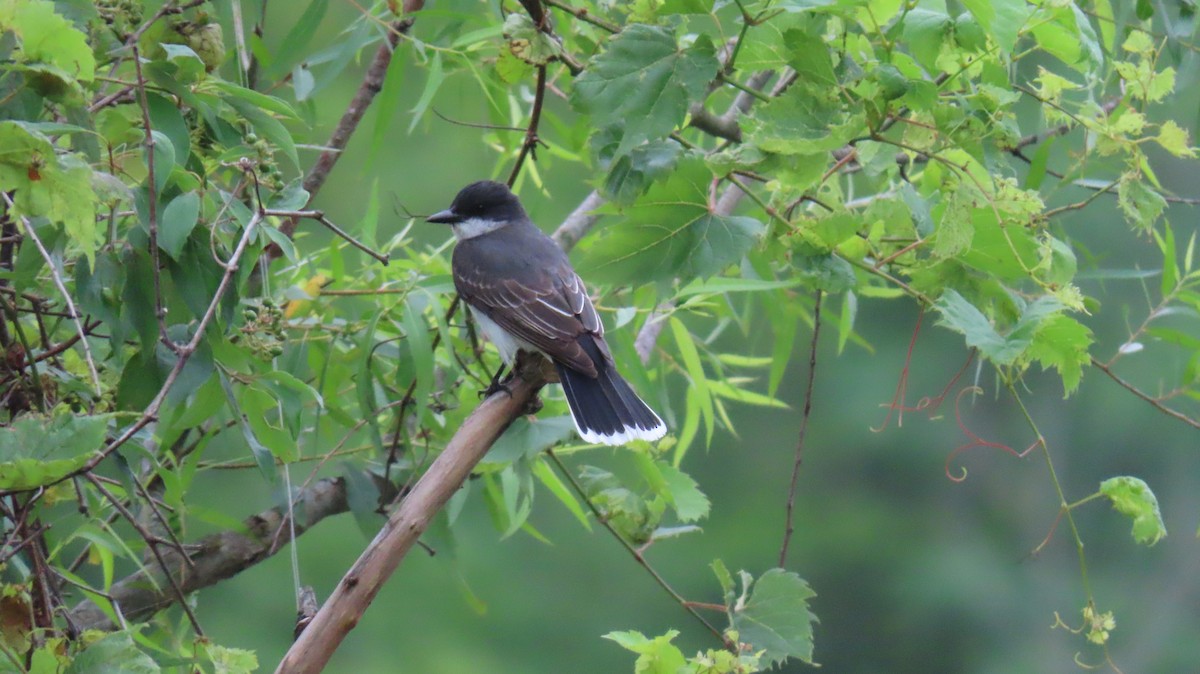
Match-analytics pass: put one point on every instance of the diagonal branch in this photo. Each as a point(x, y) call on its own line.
point(342, 611)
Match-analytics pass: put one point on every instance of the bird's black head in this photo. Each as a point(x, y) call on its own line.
point(485, 200)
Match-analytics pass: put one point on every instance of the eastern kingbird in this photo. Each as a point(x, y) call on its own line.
point(525, 296)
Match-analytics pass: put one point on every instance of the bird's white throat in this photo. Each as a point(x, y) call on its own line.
point(473, 227)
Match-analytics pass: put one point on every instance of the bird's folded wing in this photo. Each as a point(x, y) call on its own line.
point(550, 311)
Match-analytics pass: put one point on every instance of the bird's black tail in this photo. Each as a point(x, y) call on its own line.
point(605, 409)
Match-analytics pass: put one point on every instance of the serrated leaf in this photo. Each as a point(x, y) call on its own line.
point(690, 504)
point(1139, 202)
point(644, 81)
point(805, 120)
point(655, 656)
point(671, 232)
point(114, 654)
point(49, 38)
point(177, 222)
point(1174, 139)
point(1001, 19)
point(961, 316)
point(630, 175)
point(36, 451)
point(46, 185)
point(1132, 497)
point(775, 617)
point(1062, 343)
point(924, 32)
point(230, 660)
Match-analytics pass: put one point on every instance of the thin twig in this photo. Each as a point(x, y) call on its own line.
point(1139, 393)
point(153, 546)
point(531, 133)
point(183, 352)
point(808, 398)
point(637, 555)
point(320, 217)
point(62, 288)
point(160, 314)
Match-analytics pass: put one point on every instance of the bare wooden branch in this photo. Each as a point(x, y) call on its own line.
point(342, 611)
point(216, 557)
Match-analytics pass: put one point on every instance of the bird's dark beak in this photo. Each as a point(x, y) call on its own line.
point(446, 217)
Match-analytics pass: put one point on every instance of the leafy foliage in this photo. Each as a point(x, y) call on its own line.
point(167, 312)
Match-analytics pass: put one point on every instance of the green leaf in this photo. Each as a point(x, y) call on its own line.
point(49, 38)
point(1139, 202)
point(164, 163)
point(924, 33)
point(527, 43)
point(644, 82)
point(772, 615)
point(1001, 19)
point(630, 175)
point(190, 65)
point(268, 126)
point(562, 492)
point(961, 316)
point(433, 82)
point(805, 120)
point(690, 504)
point(655, 656)
point(1132, 497)
point(671, 232)
point(231, 92)
point(1062, 342)
point(416, 335)
point(292, 47)
point(527, 437)
point(177, 222)
point(695, 371)
point(46, 185)
point(36, 451)
point(114, 654)
point(230, 660)
point(166, 118)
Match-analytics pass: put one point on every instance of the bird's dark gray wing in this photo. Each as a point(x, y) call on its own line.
point(549, 308)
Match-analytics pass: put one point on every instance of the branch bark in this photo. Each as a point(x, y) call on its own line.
point(215, 558)
point(342, 611)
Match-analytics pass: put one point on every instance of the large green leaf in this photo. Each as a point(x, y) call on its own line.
point(672, 232)
point(772, 615)
point(46, 185)
point(805, 120)
point(114, 654)
point(36, 451)
point(644, 82)
point(49, 38)
point(961, 316)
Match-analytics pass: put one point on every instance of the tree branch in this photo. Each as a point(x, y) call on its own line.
point(371, 85)
point(342, 611)
point(215, 558)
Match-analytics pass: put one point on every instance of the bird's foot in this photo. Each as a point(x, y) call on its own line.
point(496, 387)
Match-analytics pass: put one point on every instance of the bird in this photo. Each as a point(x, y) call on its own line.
point(525, 295)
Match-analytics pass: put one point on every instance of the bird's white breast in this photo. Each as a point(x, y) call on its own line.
point(506, 343)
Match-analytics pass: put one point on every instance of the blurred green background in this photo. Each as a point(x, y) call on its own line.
point(913, 572)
